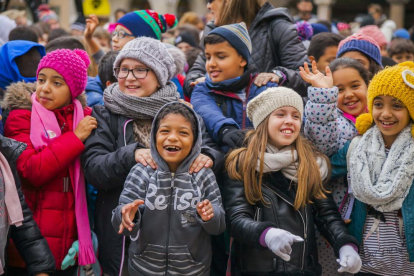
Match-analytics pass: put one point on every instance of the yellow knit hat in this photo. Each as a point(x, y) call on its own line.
point(396, 81)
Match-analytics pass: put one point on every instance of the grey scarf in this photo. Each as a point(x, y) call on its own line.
point(286, 160)
point(378, 179)
point(141, 108)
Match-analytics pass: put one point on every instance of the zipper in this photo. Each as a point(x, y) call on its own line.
point(245, 104)
point(170, 203)
point(304, 225)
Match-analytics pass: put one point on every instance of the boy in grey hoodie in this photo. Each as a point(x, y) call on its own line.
point(169, 213)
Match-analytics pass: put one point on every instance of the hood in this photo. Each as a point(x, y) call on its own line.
point(267, 12)
point(185, 165)
point(18, 96)
point(94, 85)
point(9, 72)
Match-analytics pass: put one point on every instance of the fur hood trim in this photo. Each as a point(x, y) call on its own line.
point(18, 96)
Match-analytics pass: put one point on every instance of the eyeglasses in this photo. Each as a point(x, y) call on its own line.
point(120, 34)
point(138, 73)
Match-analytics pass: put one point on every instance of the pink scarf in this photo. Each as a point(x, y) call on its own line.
point(11, 197)
point(43, 128)
point(349, 117)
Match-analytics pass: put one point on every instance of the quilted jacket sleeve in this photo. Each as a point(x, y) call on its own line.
point(321, 126)
point(205, 105)
point(291, 53)
point(41, 167)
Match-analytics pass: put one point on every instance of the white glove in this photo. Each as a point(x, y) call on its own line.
point(349, 260)
point(280, 241)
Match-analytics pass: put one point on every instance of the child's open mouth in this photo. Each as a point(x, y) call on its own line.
point(133, 87)
point(351, 104)
point(172, 148)
point(287, 131)
point(386, 124)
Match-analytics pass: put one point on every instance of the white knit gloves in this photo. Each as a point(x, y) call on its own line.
point(349, 260)
point(280, 241)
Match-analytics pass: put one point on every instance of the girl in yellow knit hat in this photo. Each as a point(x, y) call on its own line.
point(380, 167)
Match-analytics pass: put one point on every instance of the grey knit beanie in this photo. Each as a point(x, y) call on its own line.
point(270, 100)
point(153, 54)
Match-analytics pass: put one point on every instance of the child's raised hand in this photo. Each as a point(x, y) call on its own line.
point(202, 161)
point(316, 78)
point(205, 210)
point(128, 215)
point(85, 127)
point(144, 157)
point(91, 23)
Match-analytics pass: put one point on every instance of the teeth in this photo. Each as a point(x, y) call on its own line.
point(133, 87)
point(172, 148)
point(287, 131)
point(387, 123)
point(351, 103)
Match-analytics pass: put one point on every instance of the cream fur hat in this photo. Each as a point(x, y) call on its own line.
point(270, 100)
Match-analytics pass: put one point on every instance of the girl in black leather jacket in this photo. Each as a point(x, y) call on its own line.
point(274, 195)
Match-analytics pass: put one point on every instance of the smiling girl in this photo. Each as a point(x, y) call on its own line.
point(54, 130)
point(381, 174)
point(274, 195)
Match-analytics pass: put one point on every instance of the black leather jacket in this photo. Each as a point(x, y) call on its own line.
point(247, 222)
point(289, 49)
point(32, 247)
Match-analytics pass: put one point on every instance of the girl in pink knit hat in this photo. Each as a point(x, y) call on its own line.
point(54, 128)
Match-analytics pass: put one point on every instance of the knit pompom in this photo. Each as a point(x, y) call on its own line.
point(83, 55)
point(171, 20)
point(364, 122)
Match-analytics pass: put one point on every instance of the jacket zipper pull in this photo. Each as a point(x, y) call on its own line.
point(66, 184)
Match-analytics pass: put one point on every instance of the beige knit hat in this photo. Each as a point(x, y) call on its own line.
point(270, 100)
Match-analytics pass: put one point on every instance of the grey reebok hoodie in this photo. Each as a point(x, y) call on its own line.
point(169, 237)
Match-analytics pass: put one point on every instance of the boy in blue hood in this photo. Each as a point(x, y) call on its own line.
point(18, 62)
point(222, 99)
point(183, 209)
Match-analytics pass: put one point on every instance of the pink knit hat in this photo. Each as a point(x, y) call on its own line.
point(72, 65)
point(374, 32)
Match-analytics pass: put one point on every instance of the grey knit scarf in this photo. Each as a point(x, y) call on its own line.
point(380, 180)
point(142, 108)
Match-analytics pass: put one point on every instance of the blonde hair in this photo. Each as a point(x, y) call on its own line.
point(233, 11)
point(190, 18)
point(241, 165)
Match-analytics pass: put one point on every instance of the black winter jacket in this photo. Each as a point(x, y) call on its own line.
point(32, 247)
point(246, 223)
point(107, 160)
point(290, 52)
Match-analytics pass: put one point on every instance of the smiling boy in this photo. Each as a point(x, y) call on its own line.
point(221, 100)
point(184, 209)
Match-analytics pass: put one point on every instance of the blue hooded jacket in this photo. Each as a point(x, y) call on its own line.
point(9, 72)
point(94, 91)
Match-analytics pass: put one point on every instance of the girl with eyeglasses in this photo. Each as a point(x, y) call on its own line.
point(144, 69)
